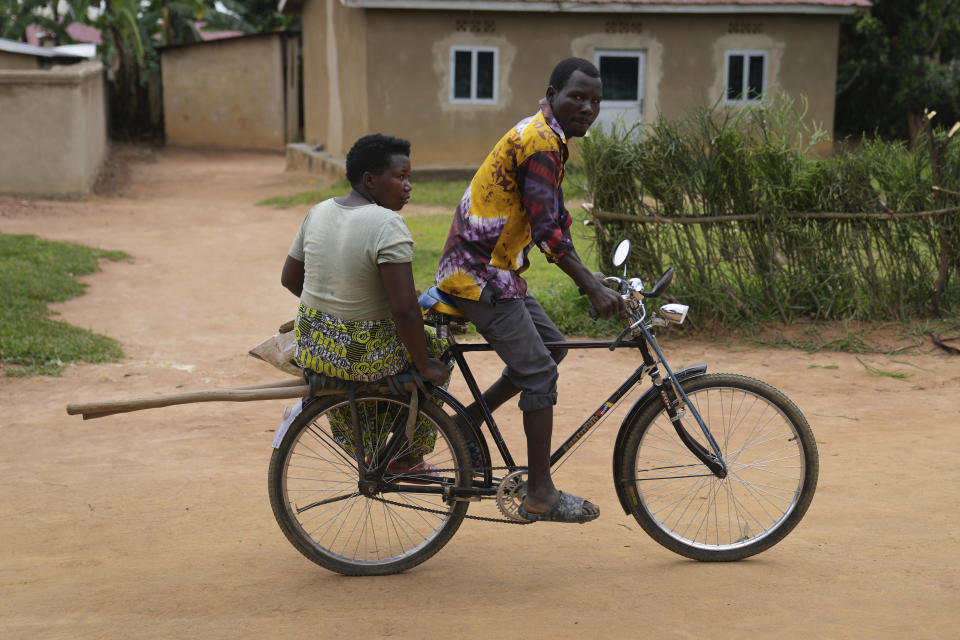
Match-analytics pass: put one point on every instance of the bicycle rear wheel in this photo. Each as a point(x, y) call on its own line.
point(316, 498)
point(772, 466)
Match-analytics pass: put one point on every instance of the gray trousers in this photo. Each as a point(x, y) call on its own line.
point(516, 329)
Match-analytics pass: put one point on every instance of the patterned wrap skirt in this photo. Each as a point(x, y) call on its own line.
point(361, 351)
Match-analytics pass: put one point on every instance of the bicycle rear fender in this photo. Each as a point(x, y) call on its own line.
point(645, 400)
point(473, 432)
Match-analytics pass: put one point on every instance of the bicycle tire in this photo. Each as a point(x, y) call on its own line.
point(772, 463)
point(356, 534)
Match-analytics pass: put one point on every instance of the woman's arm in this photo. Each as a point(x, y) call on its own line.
point(397, 278)
point(292, 276)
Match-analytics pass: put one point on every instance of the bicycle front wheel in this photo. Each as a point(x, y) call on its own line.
point(772, 468)
point(333, 520)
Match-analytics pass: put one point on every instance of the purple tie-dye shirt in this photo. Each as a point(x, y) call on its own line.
point(514, 202)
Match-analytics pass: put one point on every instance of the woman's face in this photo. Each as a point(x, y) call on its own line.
point(391, 189)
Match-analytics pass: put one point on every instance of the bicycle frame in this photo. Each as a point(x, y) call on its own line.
point(658, 390)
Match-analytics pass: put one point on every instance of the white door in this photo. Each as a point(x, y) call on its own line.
point(622, 73)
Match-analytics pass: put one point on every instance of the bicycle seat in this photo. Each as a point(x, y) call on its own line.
point(438, 302)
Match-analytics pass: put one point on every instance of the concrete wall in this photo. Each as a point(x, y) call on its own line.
point(335, 75)
point(18, 61)
point(227, 94)
point(407, 67)
point(53, 132)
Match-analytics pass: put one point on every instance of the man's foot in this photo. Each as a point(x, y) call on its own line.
point(567, 508)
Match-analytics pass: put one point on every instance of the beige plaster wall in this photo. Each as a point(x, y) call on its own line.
point(18, 61)
point(334, 75)
point(802, 59)
point(409, 80)
point(225, 94)
point(53, 130)
point(407, 74)
point(291, 91)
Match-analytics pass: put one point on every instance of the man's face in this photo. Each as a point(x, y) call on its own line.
point(577, 105)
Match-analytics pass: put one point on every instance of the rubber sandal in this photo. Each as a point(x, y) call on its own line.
point(422, 469)
point(568, 508)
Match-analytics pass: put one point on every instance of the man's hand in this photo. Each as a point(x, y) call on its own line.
point(435, 371)
point(606, 301)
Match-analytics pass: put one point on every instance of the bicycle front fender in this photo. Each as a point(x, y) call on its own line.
point(640, 405)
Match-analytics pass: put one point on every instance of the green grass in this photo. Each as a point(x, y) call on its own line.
point(429, 235)
point(34, 273)
point(307, 198)
point(441, 193)
point(551, 286)
point(555, 291)
point(897, 375)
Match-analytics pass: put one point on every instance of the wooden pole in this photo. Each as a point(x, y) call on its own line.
point(91, 410)
point(626, 217)
point(293, 388)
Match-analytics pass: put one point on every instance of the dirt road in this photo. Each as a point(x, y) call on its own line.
point(157, 524)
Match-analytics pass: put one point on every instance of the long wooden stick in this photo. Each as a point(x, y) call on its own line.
point(91, 410)
point(626, 217)
point(291, 382)
point(293, 388)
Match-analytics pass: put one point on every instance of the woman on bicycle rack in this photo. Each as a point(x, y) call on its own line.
point(350, 265)
point(515, 202)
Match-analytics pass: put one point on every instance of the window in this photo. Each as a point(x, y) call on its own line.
point(622, 74)
point(473, 74)
point(746, 76)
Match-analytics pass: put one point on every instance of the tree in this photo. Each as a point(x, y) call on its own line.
point(248, 16)
point(52, 15)
point(899, 59)
point(132, 31)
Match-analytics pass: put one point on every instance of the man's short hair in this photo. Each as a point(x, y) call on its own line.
point(372, 153)
point(565, 68)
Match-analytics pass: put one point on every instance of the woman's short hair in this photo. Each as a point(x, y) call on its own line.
point(565, 68)
point(372, 153)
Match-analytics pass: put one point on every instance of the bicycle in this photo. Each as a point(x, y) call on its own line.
point(733, 490)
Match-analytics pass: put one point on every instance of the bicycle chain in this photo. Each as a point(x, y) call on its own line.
point(443, 513)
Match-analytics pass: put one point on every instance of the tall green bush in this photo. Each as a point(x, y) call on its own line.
point(771, 263)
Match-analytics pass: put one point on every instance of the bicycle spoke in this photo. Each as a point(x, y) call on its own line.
point(766, 470)
point(350, 529)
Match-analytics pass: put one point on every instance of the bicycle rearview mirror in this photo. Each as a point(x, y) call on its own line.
point(621, 252)
point(661, 285)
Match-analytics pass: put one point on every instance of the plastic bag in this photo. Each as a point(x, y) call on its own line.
point(279, 350)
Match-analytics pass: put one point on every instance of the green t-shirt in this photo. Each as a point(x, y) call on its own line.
point(341, 248)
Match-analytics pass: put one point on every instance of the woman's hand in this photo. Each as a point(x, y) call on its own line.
point(398, 286)
point(435, 371)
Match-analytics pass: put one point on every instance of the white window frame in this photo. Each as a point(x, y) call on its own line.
point(473, 99)
point(746, 54)
point(641, 56)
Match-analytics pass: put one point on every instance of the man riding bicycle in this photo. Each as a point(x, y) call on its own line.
point(515, 202)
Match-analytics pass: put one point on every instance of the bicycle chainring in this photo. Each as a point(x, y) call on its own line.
point(509, 495)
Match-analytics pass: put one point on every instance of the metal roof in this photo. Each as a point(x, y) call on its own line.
point(828, 7)
point(12, 46)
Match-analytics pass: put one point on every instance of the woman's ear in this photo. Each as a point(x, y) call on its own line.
point(368, 180)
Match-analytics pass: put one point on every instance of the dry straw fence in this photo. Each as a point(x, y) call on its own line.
point(760, 229)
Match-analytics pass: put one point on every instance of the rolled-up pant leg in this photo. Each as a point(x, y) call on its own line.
point(517, 330)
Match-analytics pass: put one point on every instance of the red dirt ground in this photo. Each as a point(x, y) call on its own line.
point(157, 524)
